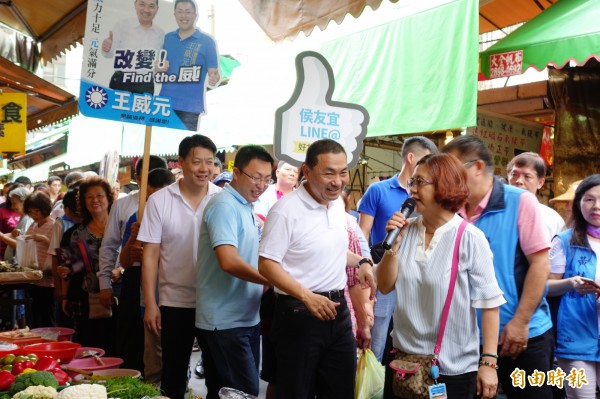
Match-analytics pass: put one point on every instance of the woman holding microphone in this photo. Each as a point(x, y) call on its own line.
point(418, 267)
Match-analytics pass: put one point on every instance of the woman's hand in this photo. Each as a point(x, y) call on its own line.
point(487, 382)
point(584, 286)
point(397, 221)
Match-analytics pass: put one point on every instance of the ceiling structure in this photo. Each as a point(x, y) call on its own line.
point(46, 103)
point(57, 25)
point(282, 19)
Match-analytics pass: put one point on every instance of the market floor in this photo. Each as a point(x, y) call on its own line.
point(199, 388)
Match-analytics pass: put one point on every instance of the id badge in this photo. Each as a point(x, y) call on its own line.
point(438, 391)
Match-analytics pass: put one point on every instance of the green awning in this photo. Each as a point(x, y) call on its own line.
point(414, 74)
point(567, 31)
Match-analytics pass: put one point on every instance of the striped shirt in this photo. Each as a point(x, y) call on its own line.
point(421, 288)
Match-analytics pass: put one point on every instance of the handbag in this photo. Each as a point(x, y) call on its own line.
point(413, 374)
point(96, 309)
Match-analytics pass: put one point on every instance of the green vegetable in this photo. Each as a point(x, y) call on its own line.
point(30, 379)
point(129, 388)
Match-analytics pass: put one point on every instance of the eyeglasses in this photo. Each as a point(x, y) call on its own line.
point(469, 163)
point(186, 12)
point(514, 176)
point(419, 181)
point(258, 180)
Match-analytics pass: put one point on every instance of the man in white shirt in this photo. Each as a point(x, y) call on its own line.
point(170, 230)
point(134, 45)
point(303, 253)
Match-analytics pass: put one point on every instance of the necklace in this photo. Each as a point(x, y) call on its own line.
point(593, 231)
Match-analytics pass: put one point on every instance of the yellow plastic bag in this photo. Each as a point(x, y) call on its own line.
point(370, 377)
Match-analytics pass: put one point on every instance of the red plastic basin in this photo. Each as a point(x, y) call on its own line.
point(91, 364)
point(63, 351)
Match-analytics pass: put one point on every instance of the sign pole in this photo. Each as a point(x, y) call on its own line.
point(145, 168)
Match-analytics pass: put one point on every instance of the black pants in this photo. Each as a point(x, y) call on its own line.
point(314, 357)
point(189, 119)
point(130, 325)
point(177, 339)
point(538, 356)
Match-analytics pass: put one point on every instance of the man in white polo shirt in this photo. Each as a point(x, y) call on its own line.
point(170, 230)
point(303, 253)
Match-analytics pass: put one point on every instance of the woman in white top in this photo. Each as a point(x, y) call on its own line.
point(418, 266)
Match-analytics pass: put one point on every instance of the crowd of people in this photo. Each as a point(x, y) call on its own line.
point(223, 258)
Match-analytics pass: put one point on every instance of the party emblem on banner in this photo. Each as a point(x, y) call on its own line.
point(311, 115)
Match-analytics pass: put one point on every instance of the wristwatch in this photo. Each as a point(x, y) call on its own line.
point(364, 260)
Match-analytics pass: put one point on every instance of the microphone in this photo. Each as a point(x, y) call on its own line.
point(407, 209)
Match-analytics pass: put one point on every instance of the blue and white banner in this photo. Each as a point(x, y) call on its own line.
point(146, 62)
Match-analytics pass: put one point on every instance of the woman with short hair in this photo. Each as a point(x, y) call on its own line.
point(418, 267)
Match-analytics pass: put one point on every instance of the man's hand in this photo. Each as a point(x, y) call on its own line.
point(366, 279)
point(107, 43)
point(213, 77)
point(106, 296)
point(514, 337)
point(363, 337)
point(135, 229)
point(323, 308)
point(152, 319)
point(135, 253)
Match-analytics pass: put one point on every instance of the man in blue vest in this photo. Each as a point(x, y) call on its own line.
point(512, 222)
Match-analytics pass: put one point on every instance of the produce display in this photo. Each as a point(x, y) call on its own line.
point(33, 377)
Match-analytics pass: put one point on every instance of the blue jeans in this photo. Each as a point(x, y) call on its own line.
point(383, 311)
point(314, 357)
point(231, 359)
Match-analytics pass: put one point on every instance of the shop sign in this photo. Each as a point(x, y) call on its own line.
point(506, 64)
point(506, 137)
point(13, 123)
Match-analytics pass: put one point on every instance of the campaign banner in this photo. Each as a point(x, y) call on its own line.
point(13, 123)
point(146, 62)
point(311, 114)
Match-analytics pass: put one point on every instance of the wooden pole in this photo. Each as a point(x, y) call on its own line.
point(145, 168)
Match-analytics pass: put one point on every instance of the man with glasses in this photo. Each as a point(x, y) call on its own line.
point(528, 171)
point(512, 222)
point(376, 207)
point(228, 284)
point(191, 56)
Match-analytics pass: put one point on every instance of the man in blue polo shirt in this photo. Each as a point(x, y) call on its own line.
point(376, 207)
point(190, 56)
point(228, 283)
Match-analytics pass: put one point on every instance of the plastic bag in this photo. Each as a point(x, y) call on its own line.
point(370, 377)
point(27, 253)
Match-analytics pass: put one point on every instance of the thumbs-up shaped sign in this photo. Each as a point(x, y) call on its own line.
point(311, 115)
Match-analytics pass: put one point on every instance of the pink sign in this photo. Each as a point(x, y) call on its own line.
point(506, 64)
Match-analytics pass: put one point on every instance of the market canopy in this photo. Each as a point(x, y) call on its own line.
point(415, 74)
point(567, 31)
point(57, 25)
point(46, 103)
point(281, 19)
